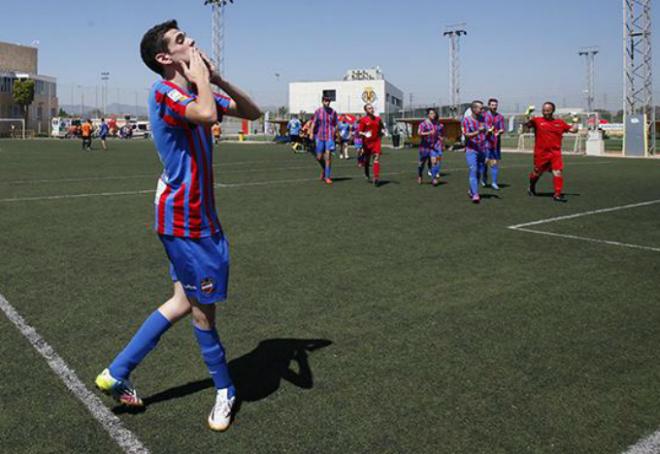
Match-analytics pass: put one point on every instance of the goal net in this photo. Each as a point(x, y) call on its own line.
point(572, 143)
point(12, 127)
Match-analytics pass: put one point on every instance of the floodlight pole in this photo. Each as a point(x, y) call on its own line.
point(637, 65)
point(454, 33)
point(105, 76)
point(590, 55)
point(218, 33)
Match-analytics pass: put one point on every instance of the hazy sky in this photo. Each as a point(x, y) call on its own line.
point(518, 50)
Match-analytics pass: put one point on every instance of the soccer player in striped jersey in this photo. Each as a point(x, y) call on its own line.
point(182, 109)
point(357, 141)
point(324, 128)
point(475, 132)
point(431, 132)
point(371, 129)
point(495, 124)
point(548, 133)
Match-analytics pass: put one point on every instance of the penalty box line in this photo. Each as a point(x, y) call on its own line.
point(525, 226)
point(126, 439)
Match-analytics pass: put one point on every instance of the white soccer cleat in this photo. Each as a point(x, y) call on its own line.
point(220, 417)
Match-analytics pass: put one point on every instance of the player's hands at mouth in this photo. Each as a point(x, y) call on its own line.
point(196, 71)
point(215, 76)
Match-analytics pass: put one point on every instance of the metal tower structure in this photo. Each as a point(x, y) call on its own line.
point(590, 92)
point(454, 33)
point(218, 33)
point(637, 67)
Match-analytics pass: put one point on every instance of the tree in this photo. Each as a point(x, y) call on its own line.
point(282, 111)
point(23, 94)
point(62, 113)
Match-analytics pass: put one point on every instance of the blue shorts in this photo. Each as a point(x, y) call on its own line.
point(324, 145)
point(493, 154)
point(357, 144)
point(103, 136)
point(424, 155)
point(436, 153)
point(201, 265)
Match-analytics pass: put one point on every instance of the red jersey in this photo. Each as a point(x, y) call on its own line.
point(374, 128)
point(549, 134)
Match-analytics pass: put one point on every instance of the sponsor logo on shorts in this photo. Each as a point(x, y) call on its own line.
point(189, 287)
point(207, 286)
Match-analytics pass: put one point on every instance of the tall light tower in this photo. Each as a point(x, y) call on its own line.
point(590, 92)
point(637, 68)
point(105, 77)
point(454, 33)
point(218, 32)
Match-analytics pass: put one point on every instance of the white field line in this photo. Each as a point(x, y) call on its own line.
point(524, 227)
point(591, 240)
point(226, 185)
point(586, 213)
point(648, 445)
point(126, 439)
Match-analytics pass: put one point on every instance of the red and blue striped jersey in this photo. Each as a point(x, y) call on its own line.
point(495, 121)
point(471, 124)
point(432, 141)
point(185, 200)
point(325, 124)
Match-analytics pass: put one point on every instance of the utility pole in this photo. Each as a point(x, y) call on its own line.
point(454, 33)
point(590, 55)
point(638, 68)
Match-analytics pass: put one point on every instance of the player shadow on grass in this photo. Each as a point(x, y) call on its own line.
point(256, 374)
point(550, 194)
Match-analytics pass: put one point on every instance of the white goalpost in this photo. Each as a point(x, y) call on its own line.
point(19, 121)
point(572, 143)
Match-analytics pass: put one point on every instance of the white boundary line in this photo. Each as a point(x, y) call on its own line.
point(648, 445)
point(524, 227)
point(126, 439)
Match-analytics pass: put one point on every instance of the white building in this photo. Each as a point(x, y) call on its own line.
point(349, 95)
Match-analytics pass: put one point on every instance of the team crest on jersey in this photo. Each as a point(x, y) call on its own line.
point(176, 96)
point(369, 95)
point(207, 286)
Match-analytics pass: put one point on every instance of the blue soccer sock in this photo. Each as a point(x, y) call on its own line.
point(420, 170)
point(144, 340)
point(214, 357)
point(494, 172)
point(435, 171)
point(474, 180)
point(484, 173)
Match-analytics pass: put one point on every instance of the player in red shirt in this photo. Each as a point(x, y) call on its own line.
point(549, 132)
point(371, 130)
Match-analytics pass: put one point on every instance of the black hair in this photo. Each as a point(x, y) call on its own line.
point(493, 100)
point(554, 108)
point(154, 42)
point(476, 101)
point(431, 109)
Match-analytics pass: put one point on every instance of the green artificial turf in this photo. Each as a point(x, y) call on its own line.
point(394, 319)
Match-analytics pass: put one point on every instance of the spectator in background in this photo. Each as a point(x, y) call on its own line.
point(294, 126)
point(307, 135)
point(86, 133)
point(216, 130)
point(103, 133)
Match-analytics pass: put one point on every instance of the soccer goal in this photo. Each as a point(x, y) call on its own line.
point(13, 123)
point(572, 143)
